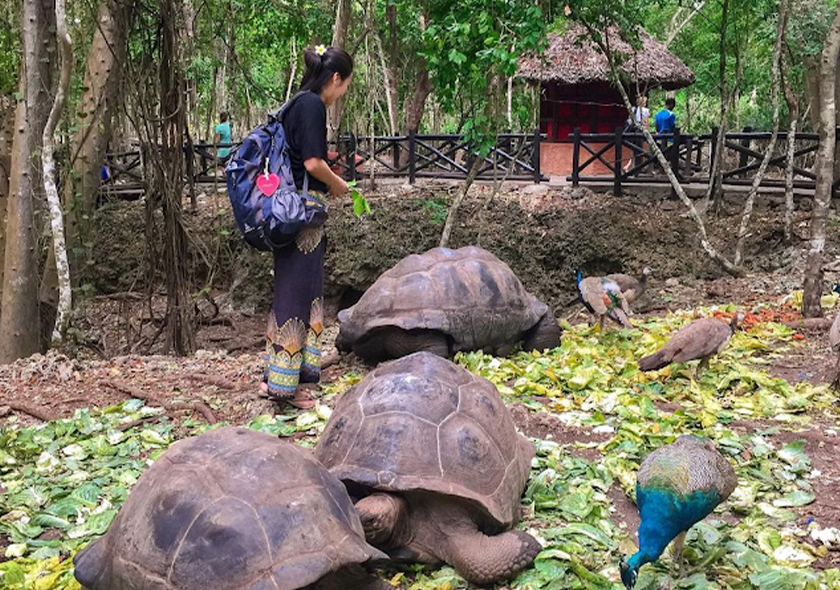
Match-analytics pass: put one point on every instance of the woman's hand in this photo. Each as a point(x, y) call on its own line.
point(338, 187)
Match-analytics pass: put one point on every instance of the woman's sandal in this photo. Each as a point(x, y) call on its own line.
point(301, 399)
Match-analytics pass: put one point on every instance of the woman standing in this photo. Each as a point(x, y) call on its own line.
point(293, 340)
point(639, 120)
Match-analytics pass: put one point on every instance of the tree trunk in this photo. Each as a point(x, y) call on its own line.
point(50, 189)
point(768, 155)
point(715, 189)
point(7, 133)
point(824, 169)
point(191, 82)
point(170, 186)
point(812, 91)
point(91, 140)
point(388, 63)
point(339, 39)
point(793, 114)
point(491, 111)
point(459, 198)
point(19, 322)
point(417, 102)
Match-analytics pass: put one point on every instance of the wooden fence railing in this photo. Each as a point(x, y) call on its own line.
point(515, 156)
point(625, 158)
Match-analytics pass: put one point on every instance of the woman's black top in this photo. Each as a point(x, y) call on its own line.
point(305, 124)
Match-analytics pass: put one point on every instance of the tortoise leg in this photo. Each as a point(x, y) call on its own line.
point(545, 334)
point(484, 559)
point(701, 367)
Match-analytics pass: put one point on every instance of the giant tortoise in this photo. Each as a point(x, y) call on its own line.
point(445, 301)
point(233, 509)
point(431, 456)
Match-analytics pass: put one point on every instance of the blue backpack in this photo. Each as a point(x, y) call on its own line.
point(270, 221)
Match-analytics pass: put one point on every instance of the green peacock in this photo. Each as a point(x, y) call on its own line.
point(603, 298)
point(678, 486)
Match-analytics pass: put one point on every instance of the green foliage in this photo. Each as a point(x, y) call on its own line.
point(436, 209)
point(471, 47)
point(10, 50)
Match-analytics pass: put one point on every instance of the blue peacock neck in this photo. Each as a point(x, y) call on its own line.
point(653, 540)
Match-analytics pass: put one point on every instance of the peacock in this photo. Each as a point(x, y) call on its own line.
point(603, 298)
point(834, 340)
point(678, 486)
point(701, 339)
point(631, 287)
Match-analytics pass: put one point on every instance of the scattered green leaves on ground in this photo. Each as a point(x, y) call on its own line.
point(65, 480)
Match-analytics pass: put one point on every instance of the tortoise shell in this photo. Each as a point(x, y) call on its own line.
point(424, 423)
point(467, 293)
point(230, 509)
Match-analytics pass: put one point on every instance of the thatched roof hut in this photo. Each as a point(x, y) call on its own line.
point(576, 89)
point(570, 60)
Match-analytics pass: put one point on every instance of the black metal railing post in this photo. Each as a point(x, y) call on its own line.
point(619, 138)
point(412, 156)
point(535, 162)
point(576, 158)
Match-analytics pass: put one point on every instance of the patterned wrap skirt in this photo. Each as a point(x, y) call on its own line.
point(293, 339)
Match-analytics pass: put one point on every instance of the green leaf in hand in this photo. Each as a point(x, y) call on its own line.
point(360, 203)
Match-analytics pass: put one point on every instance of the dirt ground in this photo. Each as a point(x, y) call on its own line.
point(118, 358)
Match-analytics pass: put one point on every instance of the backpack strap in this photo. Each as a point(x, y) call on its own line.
point(278, 116)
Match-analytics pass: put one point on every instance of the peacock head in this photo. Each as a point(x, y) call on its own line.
point(737, 319)
point(647, 271)
point(835, 288)
point(628, 575)
point(578, 276)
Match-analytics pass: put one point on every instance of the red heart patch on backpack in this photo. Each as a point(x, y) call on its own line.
point(268, 183)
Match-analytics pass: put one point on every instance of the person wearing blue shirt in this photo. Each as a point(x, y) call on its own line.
point(223, 135)
point(666, 120)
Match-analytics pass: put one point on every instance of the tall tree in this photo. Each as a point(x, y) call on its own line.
point(19, 320)
point(824, 169)
point(48, 162)
point(768, 154)
point(169, 183)
point(7, 126)
point(472, 47)
point(102, 77)
point(343, 17)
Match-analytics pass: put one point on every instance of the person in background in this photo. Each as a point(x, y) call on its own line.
point(635, 124)
point(666, 120)
point(222, 135)
point(293, 341)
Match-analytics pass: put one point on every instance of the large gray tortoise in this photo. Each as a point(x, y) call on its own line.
point(444, 301)
point(430, 454)
point(233, 509)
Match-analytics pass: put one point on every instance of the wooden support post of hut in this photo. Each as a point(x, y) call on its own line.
point(576, 91)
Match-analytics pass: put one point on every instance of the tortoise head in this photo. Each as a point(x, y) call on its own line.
point(381, 516)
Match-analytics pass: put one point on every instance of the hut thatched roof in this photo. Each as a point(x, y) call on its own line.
point(568, 61)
